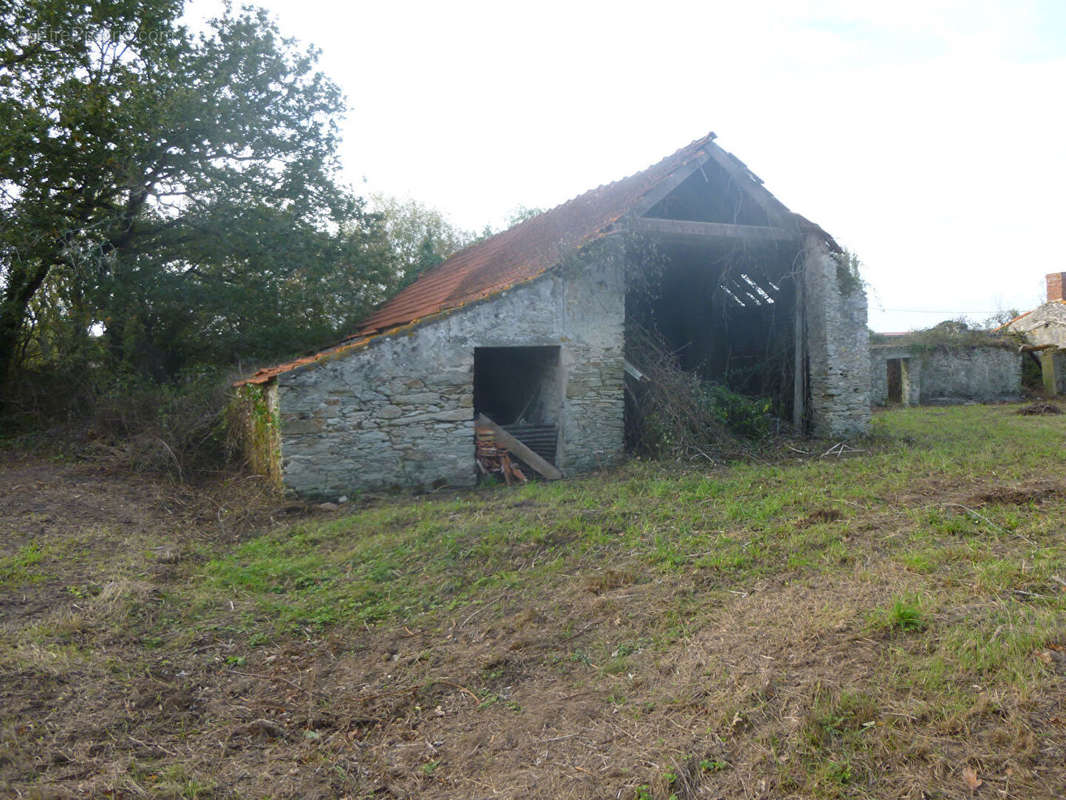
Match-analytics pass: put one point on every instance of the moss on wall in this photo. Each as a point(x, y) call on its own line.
point(254, 421)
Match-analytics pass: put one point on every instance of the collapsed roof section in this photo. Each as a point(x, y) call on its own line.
point(698, 192)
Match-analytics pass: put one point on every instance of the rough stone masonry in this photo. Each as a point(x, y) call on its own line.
point(838, 346)
point(399, 412)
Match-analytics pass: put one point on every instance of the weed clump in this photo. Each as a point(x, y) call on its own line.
point(1039, 409)
point(905, 615)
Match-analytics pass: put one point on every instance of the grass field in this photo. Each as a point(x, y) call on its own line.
point(886, 623)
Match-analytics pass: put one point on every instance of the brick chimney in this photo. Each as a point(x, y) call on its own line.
point(1055, 281)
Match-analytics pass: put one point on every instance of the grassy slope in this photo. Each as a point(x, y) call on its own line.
point(889, 623)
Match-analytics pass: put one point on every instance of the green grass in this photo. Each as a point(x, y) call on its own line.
point(924, 619)
point(731, 526)
point(969, 595)
point(19, 568)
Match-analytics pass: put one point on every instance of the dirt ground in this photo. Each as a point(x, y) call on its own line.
point(105, 692)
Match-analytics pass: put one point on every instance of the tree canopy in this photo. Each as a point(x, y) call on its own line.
point(420, 236)
point(170, 197)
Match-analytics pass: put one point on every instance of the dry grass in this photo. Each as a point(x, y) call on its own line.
point(886, 624)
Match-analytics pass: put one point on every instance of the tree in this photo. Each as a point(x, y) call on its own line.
point(420, 236)
point(520, 214)
point(173, 192)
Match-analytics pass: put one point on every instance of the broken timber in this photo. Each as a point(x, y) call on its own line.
point(546, 469)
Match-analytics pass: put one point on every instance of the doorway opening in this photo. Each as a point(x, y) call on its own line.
point(521, 390)
point(898, 381)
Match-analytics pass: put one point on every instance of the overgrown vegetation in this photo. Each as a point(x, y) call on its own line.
point(171, 211)
point(879, 624)
point(675, 414)
point(947, 335)
point(849, 272)
point(126, 420)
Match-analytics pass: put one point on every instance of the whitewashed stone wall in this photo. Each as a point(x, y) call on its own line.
point(1045, 324)
point(838, 347)
point(399, 412)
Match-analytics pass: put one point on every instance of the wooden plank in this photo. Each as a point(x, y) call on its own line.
point(633, 371)
point(699, 231)
point(546, 469)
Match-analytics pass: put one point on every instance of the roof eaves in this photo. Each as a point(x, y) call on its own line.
point(347, 346)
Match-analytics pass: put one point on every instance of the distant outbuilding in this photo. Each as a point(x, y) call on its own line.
point(1044, 331)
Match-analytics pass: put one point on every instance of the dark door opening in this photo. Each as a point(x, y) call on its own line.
point(521, 389)
point(895, 380)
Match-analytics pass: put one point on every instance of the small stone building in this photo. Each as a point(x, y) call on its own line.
point(529, 328)
point(1044, 331)
point(914, 373)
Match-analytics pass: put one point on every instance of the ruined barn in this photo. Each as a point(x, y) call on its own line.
point(911, 371)
point(528, 330)
point(1043, 330)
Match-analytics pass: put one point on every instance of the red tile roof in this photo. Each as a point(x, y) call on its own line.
point(514, 256)
point(524, 251)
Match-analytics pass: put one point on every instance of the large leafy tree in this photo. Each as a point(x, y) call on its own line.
point(172, 193)
point(420, 236)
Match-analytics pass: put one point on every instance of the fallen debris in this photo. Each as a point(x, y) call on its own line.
point(1039, 409)
point(494, 459)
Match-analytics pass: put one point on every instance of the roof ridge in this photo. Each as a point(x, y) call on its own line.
point(512, 257)
point(695, 143)
point(522, 251)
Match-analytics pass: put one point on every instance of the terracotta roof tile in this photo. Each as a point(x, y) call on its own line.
point(524, 251)
point(514, 256)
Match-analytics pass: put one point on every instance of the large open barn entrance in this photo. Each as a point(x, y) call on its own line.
point(728, 315)
point(715, 282)
point(726, 312)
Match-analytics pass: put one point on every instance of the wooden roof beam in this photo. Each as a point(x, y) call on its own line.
point(695, 232)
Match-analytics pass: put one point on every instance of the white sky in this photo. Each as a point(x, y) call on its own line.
point(928, 136)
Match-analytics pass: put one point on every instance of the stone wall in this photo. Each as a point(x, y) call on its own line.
point(971, 374)
point(838, 354)
point(949, 375)
point(880, 355)
point(399, 412)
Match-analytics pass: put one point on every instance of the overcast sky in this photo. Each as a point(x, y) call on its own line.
point(927, 136)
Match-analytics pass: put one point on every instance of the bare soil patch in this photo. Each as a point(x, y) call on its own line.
point(1007, 495)
point(822, 515)
point(1039, 409)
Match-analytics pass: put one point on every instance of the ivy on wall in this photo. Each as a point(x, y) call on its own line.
point(255, 422)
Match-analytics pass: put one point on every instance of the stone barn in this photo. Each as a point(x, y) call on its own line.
point(1044, 332)
point(913, 373)
point(528, 330)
